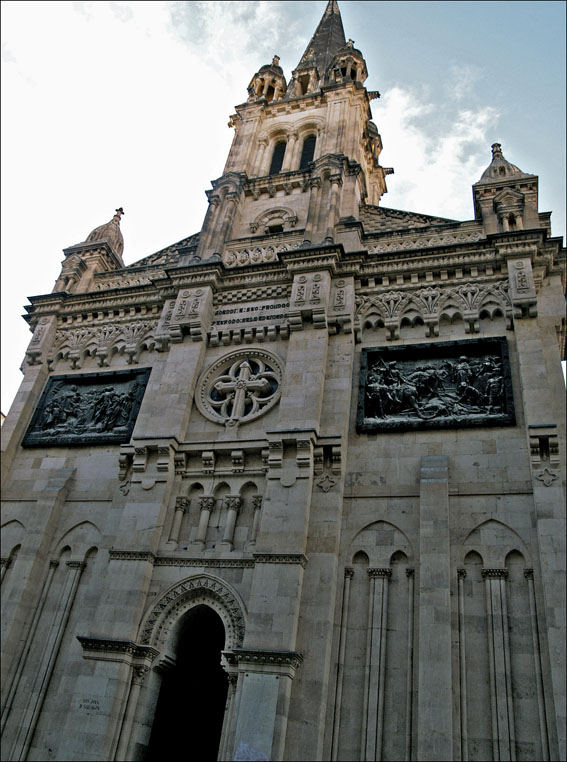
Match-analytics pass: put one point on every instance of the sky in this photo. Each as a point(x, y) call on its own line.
point(108, 104)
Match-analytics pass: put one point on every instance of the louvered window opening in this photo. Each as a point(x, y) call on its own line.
point(277, 159)
point(307, 152)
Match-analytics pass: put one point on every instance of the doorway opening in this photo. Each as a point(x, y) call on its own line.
point(192, 698)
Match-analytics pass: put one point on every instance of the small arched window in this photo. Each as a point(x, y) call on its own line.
point(277, 158)
point(307, 152)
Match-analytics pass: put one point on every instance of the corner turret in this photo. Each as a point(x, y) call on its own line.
point(505, 197)
point(269, 82)
point(101, 251)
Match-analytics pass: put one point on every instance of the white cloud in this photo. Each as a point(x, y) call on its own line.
point(438, 151)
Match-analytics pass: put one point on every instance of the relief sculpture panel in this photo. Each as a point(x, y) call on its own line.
point(448, 384)
point(90, 408)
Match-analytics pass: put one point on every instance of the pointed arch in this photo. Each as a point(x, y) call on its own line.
point(80, 538)
point(160, 624)
point(494, 540)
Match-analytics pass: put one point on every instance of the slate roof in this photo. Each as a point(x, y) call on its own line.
point(379, 219)
point(328, 39)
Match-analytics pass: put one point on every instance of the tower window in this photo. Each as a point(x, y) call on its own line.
point(307, 152)
point(277, 159)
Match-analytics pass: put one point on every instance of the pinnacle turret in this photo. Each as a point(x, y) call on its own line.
point(111, 233)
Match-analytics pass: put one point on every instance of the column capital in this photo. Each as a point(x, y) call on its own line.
point(379, 572)
point(207, 503)
point(494, 573)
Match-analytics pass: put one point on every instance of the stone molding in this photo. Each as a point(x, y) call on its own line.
point(213, 563)
point(111, 649)
point(494, 573)
point(172, 604)
point(430, 304)
point(103, 342)
point(268, 657)
point(131, 555)
point(423, 241)
point(385, 573)
point(281, 558)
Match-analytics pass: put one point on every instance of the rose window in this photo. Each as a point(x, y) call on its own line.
point(240, 387)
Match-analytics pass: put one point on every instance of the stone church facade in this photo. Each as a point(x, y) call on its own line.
point(293, 487)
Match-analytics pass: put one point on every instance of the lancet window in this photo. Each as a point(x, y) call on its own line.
point(308, 151)
point(277, 158)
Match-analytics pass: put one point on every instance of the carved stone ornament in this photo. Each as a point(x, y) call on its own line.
point(90, 408)
point(239, 387)
point(449, 384)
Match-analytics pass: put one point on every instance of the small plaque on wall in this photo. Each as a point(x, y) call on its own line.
point(447, 384)
point(90, 408)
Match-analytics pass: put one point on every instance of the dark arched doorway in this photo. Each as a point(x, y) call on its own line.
point(190, 708)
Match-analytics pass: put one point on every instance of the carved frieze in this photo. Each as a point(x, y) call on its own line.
point(90, 408)
point(468, 300)
point(103, 341)
point(448, 384)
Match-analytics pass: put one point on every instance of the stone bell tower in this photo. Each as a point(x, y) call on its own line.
point(309, 145)
point(293, 487)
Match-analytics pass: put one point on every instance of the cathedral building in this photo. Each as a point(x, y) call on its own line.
point(293, 488)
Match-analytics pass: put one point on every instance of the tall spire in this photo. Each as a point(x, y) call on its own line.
point(329, 37)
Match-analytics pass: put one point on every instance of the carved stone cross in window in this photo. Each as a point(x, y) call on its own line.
point(242, 388)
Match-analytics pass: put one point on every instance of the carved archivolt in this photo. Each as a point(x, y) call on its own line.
point(74, 344)
point(159, 624)
point(279, 216)
point(468, 301)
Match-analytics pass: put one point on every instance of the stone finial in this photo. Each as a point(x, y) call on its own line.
point(350, 43)
point(110, 232)
point(276, 61)
point(497, 151)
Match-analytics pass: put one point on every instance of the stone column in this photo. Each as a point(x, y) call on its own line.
point(288, 162)
point(181, 506)
point(336, 182)
point(503, 733)
point(529, 575)
point(13, 678)
point(543, 399)
point(138, 675)
point(461, 574)
point(314, 193)
point(349, 573)
point(257, 506)
point(435, 700)
point(206, 504)
point(209, 224)
point(409, 685)
point(231, 203)
point(262, 144)
point(38, 691)
point(233, 505)
point(373, 721)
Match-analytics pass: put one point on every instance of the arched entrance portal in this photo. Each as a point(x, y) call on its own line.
point(190, 708)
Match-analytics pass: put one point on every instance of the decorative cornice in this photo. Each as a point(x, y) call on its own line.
point(131, 555)
point(379, 572)
point(220, 563)
point(494, 573)
point(108, 649)
point(281, 558)
point(268, 657)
